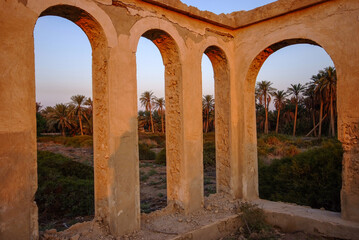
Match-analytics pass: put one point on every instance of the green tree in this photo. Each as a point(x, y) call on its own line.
point(310, 101)
point(40, 120)
point(208, 107)
point(146, 100)
point(329, 80)
point(59, 116)
point(320, 92)
point(89, 114)
point(160, 105)
point(279, 101)
point(295, 90)
point(264, 91)
point(78, 108)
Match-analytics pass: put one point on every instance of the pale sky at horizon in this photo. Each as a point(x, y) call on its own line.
point(63, 59)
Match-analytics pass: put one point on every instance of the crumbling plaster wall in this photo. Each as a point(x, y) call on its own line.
point(182, 57)
point(332, 25)
point(232, 47)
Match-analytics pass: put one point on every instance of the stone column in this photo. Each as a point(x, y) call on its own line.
point(123, 162)
point(348, 134)
point(350, 173)
point(191, 184)
point(18, 176)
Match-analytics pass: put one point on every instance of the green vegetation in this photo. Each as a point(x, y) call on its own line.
point(209, 154)
point(68, 119)
point(76, 141)
point(161, 157)
point(40, 124)
point(145, 152)
point(255, 226)
point(311, 178)
point(309, 110)
point(66, 188)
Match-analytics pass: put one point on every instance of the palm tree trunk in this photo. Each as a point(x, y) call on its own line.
point(153, 130)
point(80, 121)
point(276, 128)
point(320, 118)
point(207, 121)
point(266, 112)
point(332, 114)
point(295, 118)
point(314, 124)
point(63, 130)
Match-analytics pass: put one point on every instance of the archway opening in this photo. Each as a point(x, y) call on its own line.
point(216, 122)
point(151, 126)
point(64, 123)
point(67, 124)
point(299, 156)
point(163, 127)
point(208, 116)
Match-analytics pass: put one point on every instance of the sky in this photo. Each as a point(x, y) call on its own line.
point(63, 59)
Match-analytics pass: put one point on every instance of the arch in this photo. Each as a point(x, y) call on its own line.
point(258, 61)
point(173, 78)
point(221, 70)
point(100, 56)
point(150, 23)
point(86, 9)
point(249, 108)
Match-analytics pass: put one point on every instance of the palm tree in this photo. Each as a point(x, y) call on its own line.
point(59, 116)
point(264, 90)
point(310, 100)
point(208, 107)
point(329, 79)
point(89, 114)
point(38, 107)
point(320, 91)
point(79, 110)
point(295, 90)
point(159, 105)
point(279, 99)
point(146, 100)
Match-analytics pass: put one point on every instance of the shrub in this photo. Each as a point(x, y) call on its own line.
point(255, 226)
point(311, 178)
point(272, 140)
point(40, 124)
point(79, 141)
point(153, 139)
point(161, 157)
point(209, 154)
point(65, 187)
point(209, 137)
point(76, 141)
point(146, 153)
point(159, 138)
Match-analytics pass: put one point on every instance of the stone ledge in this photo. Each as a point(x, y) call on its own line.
point(238, 19)
point(216, 230)
point(293, 218)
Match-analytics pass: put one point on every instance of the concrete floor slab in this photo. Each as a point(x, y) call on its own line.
point(293, 218)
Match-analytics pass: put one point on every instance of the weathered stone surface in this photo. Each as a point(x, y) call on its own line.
point(237, 45)
point(292, 218)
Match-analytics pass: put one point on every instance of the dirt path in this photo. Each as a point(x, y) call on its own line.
point(83, 155)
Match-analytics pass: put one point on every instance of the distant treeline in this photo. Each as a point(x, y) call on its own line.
point(308, 109)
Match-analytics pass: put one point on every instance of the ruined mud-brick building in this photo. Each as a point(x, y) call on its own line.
point(237, 45)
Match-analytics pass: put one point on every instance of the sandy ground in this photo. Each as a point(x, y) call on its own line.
point(169, 223)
